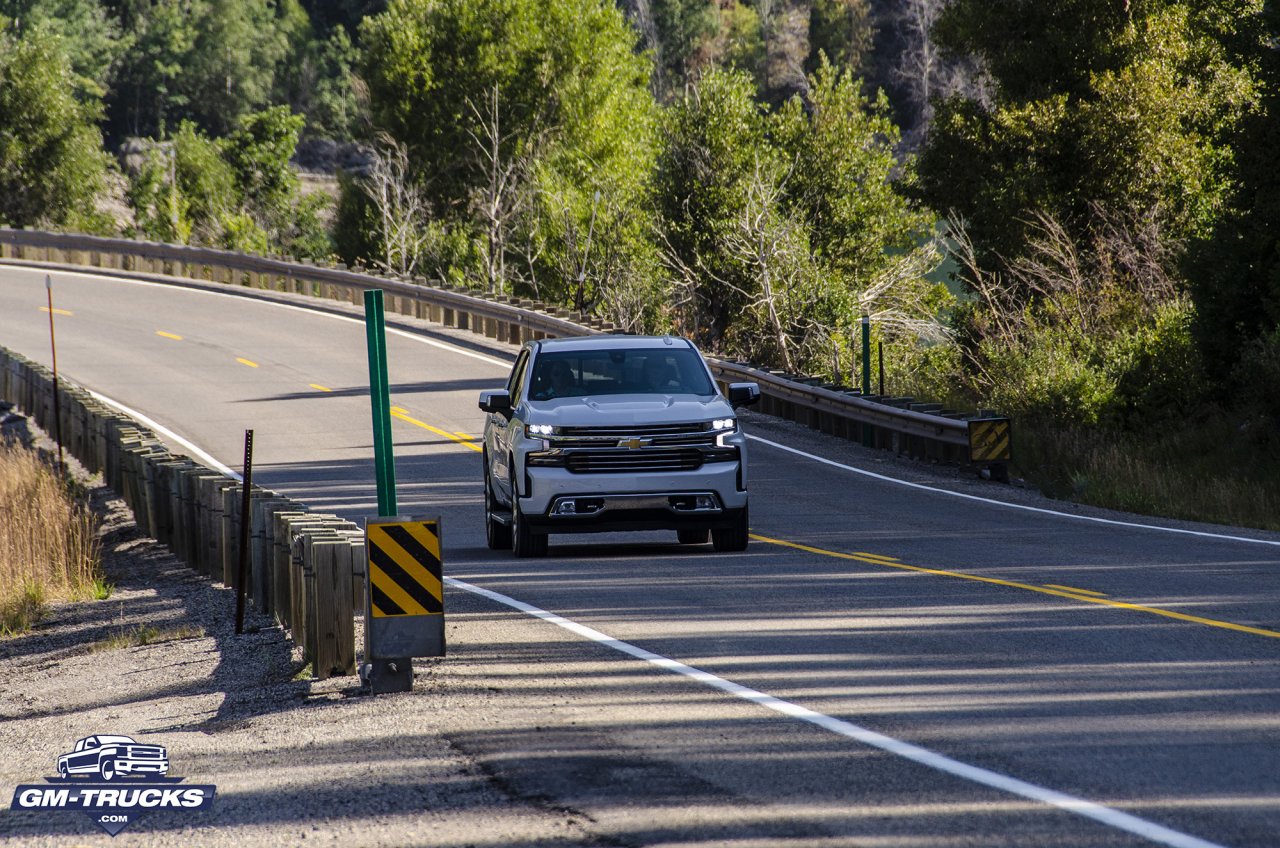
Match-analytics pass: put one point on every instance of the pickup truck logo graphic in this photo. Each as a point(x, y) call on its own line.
point(109, 757)
point(115, 780)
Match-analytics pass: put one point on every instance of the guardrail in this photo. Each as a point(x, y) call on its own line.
point(902, 425)
point(307, 569)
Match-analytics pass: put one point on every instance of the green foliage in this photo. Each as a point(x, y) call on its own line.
point(842, 31)
point(1092, 107)
point(683, 28)
point(715, 143)
point(239, 192)
point(90, 37)
point(205, 180)
point(51, 162)
point(159, 210)
point(241, 232)
point(531, 129)
point(847, 192)
point(307, 236)
point(779, 230)
point(258, 153)
point(1235, 270)
point(210, 61)
point(317, 83)
point(355, 222)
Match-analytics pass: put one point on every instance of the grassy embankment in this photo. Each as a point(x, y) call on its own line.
point(1209, 470)
point(49, 550)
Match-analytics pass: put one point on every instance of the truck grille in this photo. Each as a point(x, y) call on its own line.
point(633, 461)
point(663, 435)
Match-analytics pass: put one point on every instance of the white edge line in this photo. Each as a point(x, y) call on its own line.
point(922, 756)
point(1023, 507)
point(313, 310)
point(169, 434)
point(1089, 809)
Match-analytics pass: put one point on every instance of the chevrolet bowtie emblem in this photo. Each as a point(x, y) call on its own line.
point(633, 444)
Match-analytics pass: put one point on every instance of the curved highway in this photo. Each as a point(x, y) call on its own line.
point(886, 665)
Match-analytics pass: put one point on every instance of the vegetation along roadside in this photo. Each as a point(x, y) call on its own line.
point(1061, 211)
point(49, 547)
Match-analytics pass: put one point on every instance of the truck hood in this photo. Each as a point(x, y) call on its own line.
point(625, 410)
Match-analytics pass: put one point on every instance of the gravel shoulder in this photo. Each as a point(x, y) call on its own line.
point(292, 759)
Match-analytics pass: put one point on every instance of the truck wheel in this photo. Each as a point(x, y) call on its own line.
point(692, 535)
point(524, 542)
point(497, 535)
point(732, 538)
point(62, 769)
point(107, 768)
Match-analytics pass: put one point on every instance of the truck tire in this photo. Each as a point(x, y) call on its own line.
point(496, 534)
point(524, 542)
point(692, 535)
point(107, 768)
point(733, 538)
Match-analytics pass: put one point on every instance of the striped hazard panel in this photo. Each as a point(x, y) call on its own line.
point(989, 440)
point(405, 575)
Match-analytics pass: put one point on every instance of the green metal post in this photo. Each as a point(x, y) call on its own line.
point(868, 438)
point(380, 399)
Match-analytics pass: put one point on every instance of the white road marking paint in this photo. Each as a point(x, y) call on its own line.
point(1104, 815)
point(168, 434)
point(994, 502)
point(313, 311)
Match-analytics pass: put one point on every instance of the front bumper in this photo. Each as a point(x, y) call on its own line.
point(707, 497)
point(141, 767)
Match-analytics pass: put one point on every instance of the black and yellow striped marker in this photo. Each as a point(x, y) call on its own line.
point(989, 440)
point(405, 568)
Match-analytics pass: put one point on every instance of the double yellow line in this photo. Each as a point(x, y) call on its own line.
point(461, 438)
point(1084, 595)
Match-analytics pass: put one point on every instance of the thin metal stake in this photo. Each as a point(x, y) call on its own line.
point(242, 577)
point(57, 404)
point(881, 351)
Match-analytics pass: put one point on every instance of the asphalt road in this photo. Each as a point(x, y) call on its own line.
point(886, 665)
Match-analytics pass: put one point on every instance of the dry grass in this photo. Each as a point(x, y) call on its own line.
point(1204, 471)
point(49, 549)
point(147, 635)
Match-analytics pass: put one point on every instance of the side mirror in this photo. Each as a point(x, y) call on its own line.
point(496, 400)
point(743, 394)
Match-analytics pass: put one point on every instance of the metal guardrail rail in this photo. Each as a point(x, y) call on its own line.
point(898, 424)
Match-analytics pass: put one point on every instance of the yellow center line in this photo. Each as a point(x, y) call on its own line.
point(248, 362)
point(403, 415)
point(877, 557)
point(1074, 589)
point(320, 388)
point(57, 311)
point(1043, 590)
point(173, 336)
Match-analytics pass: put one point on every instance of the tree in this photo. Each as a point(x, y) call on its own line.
point(52, 167)
point(211, 61)
point(716, 144)
point(779, 230)
point(259, 152)
point(1235, 269)
point(847, 178)
point(503, 99)
point(1094, 102)
point(90, 36)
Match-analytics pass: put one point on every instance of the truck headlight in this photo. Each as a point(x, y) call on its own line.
point(538, 431)
point(724, 425)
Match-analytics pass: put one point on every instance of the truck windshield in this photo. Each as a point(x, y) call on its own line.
point(623, 371)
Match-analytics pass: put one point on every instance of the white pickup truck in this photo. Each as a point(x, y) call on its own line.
point(111, 756)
